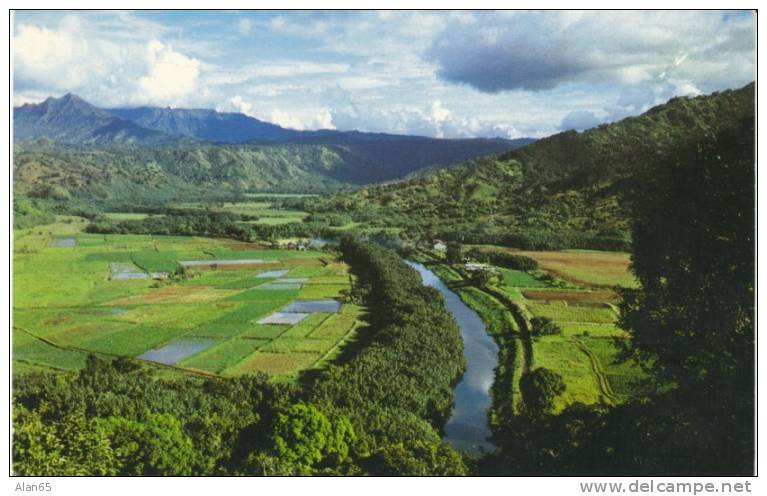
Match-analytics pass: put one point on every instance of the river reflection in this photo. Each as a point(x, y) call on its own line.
point(467, 429)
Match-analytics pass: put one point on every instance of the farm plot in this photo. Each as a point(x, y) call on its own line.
point(173, 352)
point(72, 300)
point(277, 364)
point(223, 355)
point(520, 279)
point(597, 268)
point(560, 311)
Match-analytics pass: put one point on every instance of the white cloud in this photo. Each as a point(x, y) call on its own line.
point(321, 120)
point(438, 112)
point(237, 104)
point(171, 75)
point(75, 57)
point(51, 56)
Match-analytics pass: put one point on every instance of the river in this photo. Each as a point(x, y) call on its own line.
point(468, 429)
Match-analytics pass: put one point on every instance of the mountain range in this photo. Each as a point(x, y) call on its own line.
point(81, 150)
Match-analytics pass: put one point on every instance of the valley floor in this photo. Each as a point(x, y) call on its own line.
point(235, 308)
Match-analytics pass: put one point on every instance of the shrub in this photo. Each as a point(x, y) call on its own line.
point(544, 326)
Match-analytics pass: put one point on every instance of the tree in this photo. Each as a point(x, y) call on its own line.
point(692, 318)
point(73, 446)
point(157, 447)
point(301, 439)
point(539, 387)
point(419, 458)
point(544, 326)
point(454, 252)
point(482, 277)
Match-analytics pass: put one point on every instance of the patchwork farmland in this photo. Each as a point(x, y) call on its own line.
point(576, 290)
point(186, 304)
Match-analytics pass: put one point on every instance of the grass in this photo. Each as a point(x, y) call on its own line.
point(562, 312)
point(155, 261)
point(128, 216)
point(494, 314)
point(520, 279)
point(563, 357)
point(623, 376)
point(310, 291)
point(306, 326)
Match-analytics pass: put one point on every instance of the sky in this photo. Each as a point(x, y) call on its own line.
point(445, 74)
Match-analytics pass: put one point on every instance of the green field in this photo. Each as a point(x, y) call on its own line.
point(66, 305)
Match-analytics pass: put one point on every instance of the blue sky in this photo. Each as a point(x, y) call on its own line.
point(442, 74)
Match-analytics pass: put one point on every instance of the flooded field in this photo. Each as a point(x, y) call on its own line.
point(311, 306)
point(173, 352)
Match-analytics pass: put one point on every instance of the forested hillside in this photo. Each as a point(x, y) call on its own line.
point(562, 191)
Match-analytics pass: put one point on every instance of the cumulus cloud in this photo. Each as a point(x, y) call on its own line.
point(543, 50)
point(56, 57)
point(434, 120)
point(321, 120)
point(170, 75)
point(237, 104)
point(71, 58)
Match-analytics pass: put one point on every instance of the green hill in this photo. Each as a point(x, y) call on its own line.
point(564, 190)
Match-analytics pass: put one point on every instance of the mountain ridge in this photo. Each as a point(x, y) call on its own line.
point(564, 190)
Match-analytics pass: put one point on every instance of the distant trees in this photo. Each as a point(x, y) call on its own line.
point(204, 223)
point(28, 212)
point(503, 259)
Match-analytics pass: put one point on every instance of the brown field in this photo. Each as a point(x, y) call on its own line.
point(178, 294)
point(592, 268)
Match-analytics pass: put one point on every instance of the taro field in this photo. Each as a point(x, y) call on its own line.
point(576, 289)
point(186, 304)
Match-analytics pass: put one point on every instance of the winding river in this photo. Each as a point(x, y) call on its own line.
point(467, 429)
